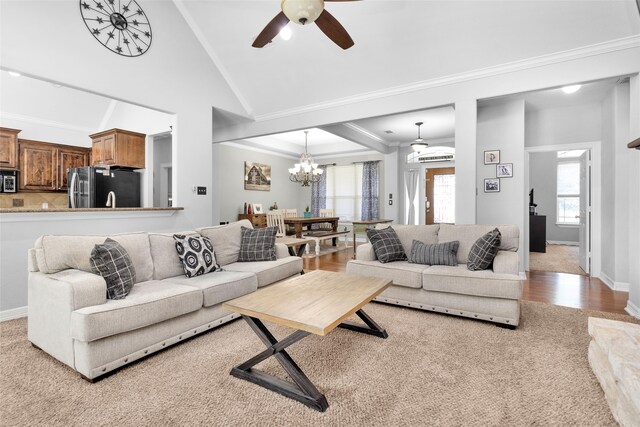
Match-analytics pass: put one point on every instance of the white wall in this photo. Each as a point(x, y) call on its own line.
point(137, 119)
point(543, 179)
point(501, 127)
point(233, 196)
point(161, 155)
point(633, 195)
point(567, 125)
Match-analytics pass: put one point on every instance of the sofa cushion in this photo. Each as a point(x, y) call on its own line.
point(257, 244)
point(148, 303)
point(220, 286)
point(196, 254)
point(166, 262)
point(437, 254)
point(460, 280)
point(57, 253)
point(483, 251)
point(269, 272)
point(427, 234)
point(386, 245)
point(225, 240)
point(467, 234)
point(111, 261)
point(402, 273)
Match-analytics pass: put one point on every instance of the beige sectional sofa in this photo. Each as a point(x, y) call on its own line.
point(492, 295)
point(71, 319)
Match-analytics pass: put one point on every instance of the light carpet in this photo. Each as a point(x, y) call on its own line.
point(432, 370)
point(558, 258)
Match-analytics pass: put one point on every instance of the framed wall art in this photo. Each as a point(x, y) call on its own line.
point(492, 157)
point(492, 185)
point(504, 170)
point(257, 176)
point(257, 208)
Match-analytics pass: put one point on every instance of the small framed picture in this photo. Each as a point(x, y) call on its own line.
point(492, 157)
point(492, 185)
point(504, 170)
point(257, 208)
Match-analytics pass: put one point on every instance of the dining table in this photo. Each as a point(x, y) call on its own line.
point(301, 222)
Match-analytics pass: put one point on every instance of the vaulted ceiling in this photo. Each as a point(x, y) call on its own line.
point(397, 43)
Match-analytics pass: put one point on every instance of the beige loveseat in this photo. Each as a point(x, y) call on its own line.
point(71, 319)
point(492, 295)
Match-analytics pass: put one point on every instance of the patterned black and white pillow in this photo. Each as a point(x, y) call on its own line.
point(484, 250)
point(196, 254)
point(257, 244)
point(111, 261)
point(386, 245)
point(438, 254)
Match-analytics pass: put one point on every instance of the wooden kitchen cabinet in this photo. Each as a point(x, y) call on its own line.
point(8, 148)
point(117, 147)
point(43, 166)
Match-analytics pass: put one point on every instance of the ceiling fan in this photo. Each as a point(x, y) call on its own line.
point(304, 12)
point(419, 144)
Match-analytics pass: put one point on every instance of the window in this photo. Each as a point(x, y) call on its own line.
point(344, 191)
point(568, 188)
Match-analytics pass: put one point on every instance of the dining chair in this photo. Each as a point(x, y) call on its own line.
point(276, 219)
point(290, 213)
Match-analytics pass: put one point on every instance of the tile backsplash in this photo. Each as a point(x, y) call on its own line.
point(33, 200)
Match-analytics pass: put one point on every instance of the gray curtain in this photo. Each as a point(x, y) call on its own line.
point(319, 193)
point(369, 190)
point(411, 185)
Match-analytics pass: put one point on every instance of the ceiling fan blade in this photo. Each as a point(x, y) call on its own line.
point(271, 30)
point(334, 30)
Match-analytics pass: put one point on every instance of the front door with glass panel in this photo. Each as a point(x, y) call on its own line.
point(440, 192)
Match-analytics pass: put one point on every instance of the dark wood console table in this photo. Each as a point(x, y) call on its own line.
point(537, 233)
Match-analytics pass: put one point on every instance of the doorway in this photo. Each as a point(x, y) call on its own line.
point(568, 205)
point(440, 195)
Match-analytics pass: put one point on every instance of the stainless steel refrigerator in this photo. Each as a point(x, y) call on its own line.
point(90, 187)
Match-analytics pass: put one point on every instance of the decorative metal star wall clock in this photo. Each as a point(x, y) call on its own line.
point(120, 25)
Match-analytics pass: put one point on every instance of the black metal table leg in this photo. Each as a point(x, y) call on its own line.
point(371, 328)
point(302, 389)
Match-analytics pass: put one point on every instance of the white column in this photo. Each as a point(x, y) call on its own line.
point(633, 304)
point(466, 159)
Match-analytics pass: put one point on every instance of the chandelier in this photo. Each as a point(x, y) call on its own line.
point(306, 171)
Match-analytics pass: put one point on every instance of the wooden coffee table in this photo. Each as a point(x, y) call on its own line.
point(314, 303)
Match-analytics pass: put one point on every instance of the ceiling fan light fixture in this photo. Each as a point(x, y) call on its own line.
point(285, 33)
point(302, 11)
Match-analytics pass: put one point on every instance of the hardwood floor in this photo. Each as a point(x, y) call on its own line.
point(569, 290)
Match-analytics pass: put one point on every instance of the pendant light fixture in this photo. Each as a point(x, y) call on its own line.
point(306, 171)
point(419, 144)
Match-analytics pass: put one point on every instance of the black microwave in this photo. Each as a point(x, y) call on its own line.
point(8, 181)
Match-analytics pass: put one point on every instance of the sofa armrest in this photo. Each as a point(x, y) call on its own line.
point(506, 262)
point(364, 252)
point(52, 298)
point(282, 251)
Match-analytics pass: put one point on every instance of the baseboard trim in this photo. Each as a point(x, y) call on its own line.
point(612, 284)
point(14, 313)
point(560, 242)
point(632, 309)
point(522, 275)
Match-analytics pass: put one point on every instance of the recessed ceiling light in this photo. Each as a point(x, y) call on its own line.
point(285, 33)
point(58, 85)
point(14, 74)
point(571, 89)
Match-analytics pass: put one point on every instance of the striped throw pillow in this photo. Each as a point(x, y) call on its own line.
point(438, 254)
point(111, 261)
point(484, 250)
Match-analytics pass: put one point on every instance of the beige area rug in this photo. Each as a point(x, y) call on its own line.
point(433, 370)
point(558, 258)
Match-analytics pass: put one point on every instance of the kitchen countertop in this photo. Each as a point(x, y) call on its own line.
point(69, 210)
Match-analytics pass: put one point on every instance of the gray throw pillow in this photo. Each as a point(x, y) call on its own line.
point(196, 254)
point(438, 254)
point(257, 244)
point(111, 261)
point(386, 245)
point(484, 250)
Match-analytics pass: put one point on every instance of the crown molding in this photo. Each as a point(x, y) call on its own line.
point(272, 152)
point(212, 55)
point(625, 43)
point(36, 120)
